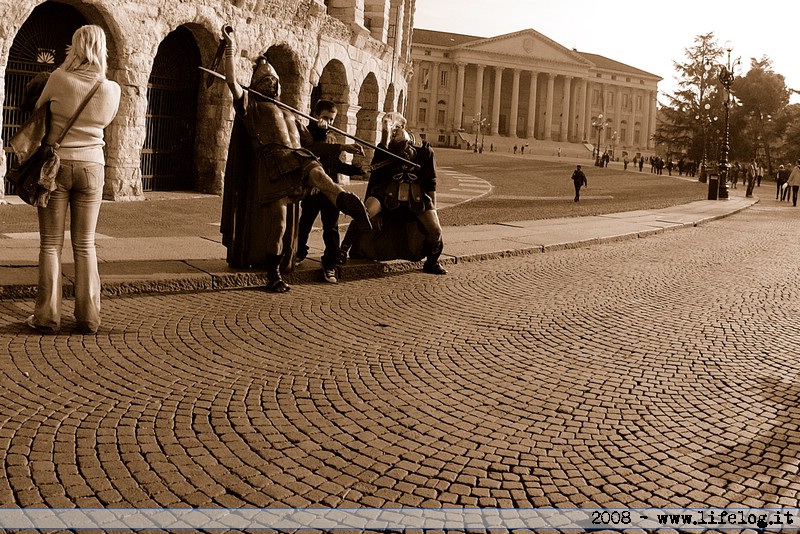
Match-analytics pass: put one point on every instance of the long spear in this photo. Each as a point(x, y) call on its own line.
point(309, 117)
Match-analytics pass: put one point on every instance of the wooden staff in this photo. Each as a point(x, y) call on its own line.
point(309, 117)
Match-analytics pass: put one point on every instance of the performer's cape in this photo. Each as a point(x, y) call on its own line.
point(395, 235)
point(243, 221)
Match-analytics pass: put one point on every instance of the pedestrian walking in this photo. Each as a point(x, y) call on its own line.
point(759, 173)
point(79, 183)
point(579, 180)
point(794, 182)
point(782, 178)
point(751, 173)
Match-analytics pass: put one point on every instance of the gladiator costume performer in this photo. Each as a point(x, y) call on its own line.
point(267, 173)
point(401, 200)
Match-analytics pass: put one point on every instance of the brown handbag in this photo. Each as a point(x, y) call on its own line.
point(36, 166)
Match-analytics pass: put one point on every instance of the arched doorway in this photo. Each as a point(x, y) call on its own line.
point(367, 116)
point(167, 159)
point(39, 46)
point(286, 64)
point(333, 85)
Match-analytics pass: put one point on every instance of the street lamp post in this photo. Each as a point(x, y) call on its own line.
point(726, 77)
point(478, 124)
point(613, 145)
point(705, 117)
point(598, 124)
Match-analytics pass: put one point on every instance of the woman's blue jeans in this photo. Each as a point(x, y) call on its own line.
point(79, 188)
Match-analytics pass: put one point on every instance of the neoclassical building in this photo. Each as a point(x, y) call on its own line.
point(526, 86)
point(173, 126)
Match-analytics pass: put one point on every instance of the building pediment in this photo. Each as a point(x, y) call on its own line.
point(527, 44)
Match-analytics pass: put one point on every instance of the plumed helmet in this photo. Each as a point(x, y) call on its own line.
point(265, 78)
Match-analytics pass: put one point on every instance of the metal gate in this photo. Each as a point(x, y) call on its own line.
point(40, 46)
point(167, 160)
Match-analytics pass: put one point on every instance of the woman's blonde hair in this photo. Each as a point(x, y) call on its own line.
point(88, 50)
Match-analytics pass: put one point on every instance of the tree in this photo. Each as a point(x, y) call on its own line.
point(686, 123)
point(786, 128)
point(762, 95)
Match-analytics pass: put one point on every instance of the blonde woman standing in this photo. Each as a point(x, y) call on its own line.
point(79, 181)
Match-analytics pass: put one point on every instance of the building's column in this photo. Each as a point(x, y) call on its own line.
point(514, 103)
point(566, 110)
point(412, 113)
point(396, 20)
point(603, 99)
point(478, 111)
point(631, 121)
point(531, 133)
point(583, 110)
point(617, 109)
point(434, 104)
point(376, 16)
point(346, 10)
point(651, 121)
point(548, 118)
point(458, 117)
point(498, 87)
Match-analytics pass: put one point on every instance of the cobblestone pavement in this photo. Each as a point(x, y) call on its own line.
point(660, 372)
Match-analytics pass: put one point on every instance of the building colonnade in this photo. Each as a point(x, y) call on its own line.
point(550, 102)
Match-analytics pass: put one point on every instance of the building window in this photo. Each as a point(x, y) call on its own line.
point(427, 52)
point(596, 97)
point(446, 54)
point(442, 139)
point(626, 101)
point(610, 100)
point(443, 78)
point(423, 116)
point(426, 76)
point(638, 103)
point(440, 117)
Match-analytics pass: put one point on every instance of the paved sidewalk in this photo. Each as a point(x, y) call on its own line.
point(194, 262)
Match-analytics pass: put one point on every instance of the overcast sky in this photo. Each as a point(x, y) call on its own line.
point(643, 34)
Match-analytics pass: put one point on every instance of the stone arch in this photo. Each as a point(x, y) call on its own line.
point(440, 113)
point(368, 113)
point(624, 133)
point(38, 46)
point(389, 103)
point(287, 65)
point(333, 85)
point(401, 103)
point(167, 156)
point(213, 112)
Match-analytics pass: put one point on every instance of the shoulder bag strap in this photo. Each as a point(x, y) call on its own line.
point(78, 111)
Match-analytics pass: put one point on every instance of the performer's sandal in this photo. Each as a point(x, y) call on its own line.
point(433, 268)
point(278, 286)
